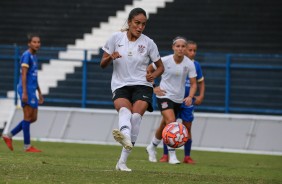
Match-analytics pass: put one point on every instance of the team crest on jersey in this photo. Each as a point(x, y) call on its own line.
point(164, 105)
point(141, 49)
point(185, 69)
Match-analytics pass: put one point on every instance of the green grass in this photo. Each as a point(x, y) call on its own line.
point(84, 163)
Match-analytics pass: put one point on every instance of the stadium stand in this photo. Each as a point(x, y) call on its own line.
point(219, 27)
point(229, 27)
point(59, 23)
point(242, 26)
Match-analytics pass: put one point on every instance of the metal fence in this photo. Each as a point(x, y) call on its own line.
point(235, 83)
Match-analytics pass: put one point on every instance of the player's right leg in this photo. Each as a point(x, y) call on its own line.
point(123, 106)
point(30, 116)
point(164, 158)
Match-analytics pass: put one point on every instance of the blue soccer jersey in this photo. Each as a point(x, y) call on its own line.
point(30, 61)
point(199, 78)
point(186, 112)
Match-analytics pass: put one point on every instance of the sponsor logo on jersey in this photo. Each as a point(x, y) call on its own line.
point(120, 45)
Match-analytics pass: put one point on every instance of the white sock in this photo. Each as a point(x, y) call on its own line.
point(124, 121)
point(155, 142)
point(124, 155)
point(171, 152)
point(135, 123)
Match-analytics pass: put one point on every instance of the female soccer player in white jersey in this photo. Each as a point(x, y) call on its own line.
point(187, 112)
point(131, 51)
point(177, 68)
point(27, 86)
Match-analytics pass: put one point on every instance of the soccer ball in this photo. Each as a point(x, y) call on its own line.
point(175, 135)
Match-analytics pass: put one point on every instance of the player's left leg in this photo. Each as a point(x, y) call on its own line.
point(188, 145)
point(121, 164)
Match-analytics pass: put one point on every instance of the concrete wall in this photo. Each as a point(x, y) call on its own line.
point(219, 132)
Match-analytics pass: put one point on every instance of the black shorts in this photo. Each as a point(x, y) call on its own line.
point(134, 93)
point(165, 103)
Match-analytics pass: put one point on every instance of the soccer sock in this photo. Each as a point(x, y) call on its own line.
point(187, 147)
point(165, 149)
point(155, 142)
point(26, 133)
point(135, 123)
point(124, 121)
point(16, 130)
point(124, 155)
point(171, 152)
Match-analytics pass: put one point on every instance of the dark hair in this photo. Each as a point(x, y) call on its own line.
point(134, 12)
point(191, 42)
point(32, 35)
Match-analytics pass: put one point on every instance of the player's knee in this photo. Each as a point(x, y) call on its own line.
point(170, 120)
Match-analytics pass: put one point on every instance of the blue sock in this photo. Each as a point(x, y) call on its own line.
point(165, 149)
point(26, 132)
point(187, 147)
point(18, 128)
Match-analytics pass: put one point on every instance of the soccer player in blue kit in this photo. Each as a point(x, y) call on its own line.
point(186, 112)
point(27, 86)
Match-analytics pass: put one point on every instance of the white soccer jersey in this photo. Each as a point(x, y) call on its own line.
point(130, 69)
point(174, 77)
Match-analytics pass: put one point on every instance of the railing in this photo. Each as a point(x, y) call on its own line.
point(225, 63)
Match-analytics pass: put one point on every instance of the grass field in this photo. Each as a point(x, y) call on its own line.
point(84, 163)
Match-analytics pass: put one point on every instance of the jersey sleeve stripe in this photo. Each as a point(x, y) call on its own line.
point(201, 79)
point(25, 65)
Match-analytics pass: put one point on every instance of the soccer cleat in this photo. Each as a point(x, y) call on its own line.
point(172, 158)
point(122, 167)
point(151, 150)
point(164, 158)
point(122, 139)
point(32, 150)
point(188, 160)
point(9, 142)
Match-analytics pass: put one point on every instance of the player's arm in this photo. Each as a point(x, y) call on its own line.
point(158, 71)
point(200, 98)
point(107, 58)
point(24, 83)
point(157, 90)
point(41, 99)
point(192, 92)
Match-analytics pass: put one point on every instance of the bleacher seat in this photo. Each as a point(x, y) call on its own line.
point(217, 26)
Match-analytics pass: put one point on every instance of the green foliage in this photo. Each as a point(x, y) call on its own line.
point(87, 163)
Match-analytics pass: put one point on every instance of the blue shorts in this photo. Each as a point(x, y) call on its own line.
point(187, 112)
point(32, 98)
